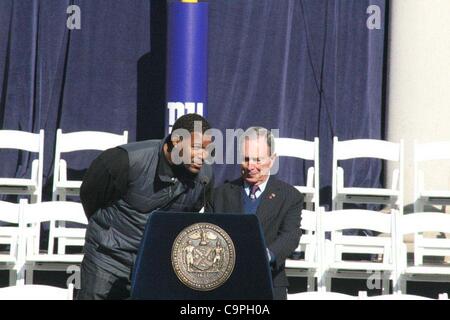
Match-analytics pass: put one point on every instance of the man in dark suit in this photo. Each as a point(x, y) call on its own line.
point(277, 204)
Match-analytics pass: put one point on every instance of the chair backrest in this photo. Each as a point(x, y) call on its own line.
point(53, 211)
point(34, 214)
point(423, 221)
point(338, 220)
point(417, 224)
point(320, 295)
point(356, 219)
point(21, 140)
point(31, 142)
point(78, 141)
point(302, 149)
point(438, 150)
point(88, 140)
point(297, 148)
point(367, 148)
point(423, 152)
point(309, 221)
point(9, 212)
point(36, 292)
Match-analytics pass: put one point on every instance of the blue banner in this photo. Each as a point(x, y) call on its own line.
point(187, 61)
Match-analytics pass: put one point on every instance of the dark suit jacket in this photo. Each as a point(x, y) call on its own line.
point(279, 215)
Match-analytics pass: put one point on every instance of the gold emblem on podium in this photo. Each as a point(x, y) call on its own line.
point(203, 256)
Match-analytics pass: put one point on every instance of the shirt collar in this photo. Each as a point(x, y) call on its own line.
point(261, 186)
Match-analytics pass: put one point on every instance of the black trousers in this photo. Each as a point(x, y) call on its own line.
point(99, 284)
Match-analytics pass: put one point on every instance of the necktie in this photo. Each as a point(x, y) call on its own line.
point(253, 190)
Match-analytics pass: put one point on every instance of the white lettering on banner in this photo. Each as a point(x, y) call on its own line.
point(74, 20)
point(374, 20)
point(178, 109)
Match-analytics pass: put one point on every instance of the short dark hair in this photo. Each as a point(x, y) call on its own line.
point(187, 122)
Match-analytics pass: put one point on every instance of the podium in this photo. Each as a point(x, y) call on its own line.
point(176, 241)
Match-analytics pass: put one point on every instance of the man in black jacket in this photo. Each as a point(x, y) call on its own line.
point(123, 186)
point(277, 204)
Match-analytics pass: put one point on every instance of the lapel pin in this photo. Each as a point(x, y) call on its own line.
point(272, 195)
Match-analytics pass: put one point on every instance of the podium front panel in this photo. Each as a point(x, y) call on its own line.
point(154, 276)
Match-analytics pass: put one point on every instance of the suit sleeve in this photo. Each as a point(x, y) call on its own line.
point(105, 181)
point(289, 232)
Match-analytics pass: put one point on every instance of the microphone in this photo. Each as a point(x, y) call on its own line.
point(204, 180)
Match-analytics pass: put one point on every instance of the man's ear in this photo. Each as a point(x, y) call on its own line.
point(175, 139)
point(273, 157)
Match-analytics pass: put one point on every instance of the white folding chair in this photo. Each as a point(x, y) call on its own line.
point(309, 266)
point(36, 292)
point(367, 148)
point(307, 150)
point(417, 224)
point(333, 249)
point(320, 295)
point(77, 141)
point(25, 141)
point(32, 217)
point(71, 142)
point(427, 152)
point(9, 236)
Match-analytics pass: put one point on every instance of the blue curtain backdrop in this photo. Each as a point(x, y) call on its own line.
point(309, 68)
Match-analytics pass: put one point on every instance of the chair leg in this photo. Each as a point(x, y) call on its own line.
point(311, 283)
point(33, 198)
point(395, 284)
point(419, 205)
point(20, 274)
point(12, 277)
point(320, 282)
point(328, 283)
point(62, 195)
point(385, 286)
point(403, 286)
point(29, 276)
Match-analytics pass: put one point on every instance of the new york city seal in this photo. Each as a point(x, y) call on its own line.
point(203, 256)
